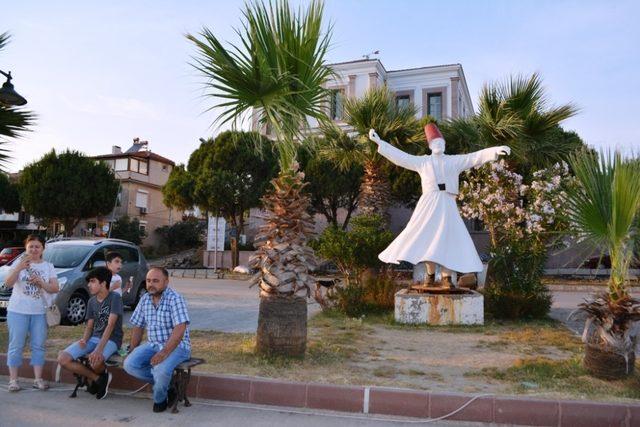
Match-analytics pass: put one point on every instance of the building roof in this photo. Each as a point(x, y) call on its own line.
point(139, 154)
point(394, 71)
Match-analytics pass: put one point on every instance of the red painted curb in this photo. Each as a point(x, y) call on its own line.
point(382, 400)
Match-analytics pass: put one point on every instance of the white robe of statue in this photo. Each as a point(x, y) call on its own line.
point(436, 233)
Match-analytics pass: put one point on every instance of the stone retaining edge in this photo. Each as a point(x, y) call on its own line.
point(381, 400)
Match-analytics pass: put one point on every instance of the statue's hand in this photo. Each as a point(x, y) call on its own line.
point(504, 150)
point(374, 136)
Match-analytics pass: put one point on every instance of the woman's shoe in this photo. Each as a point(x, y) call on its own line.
point(40, 384)
point(14, 386)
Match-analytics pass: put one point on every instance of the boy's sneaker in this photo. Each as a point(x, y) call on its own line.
point(102, 385)
point(160, 407)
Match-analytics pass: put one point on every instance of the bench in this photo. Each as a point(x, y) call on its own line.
point(179, 380)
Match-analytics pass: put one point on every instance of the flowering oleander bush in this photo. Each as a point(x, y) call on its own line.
point(523, 220)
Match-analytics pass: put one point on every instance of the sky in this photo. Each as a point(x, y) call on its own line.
point(99, 74)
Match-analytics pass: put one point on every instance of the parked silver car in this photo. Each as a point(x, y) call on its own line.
point(72, 259)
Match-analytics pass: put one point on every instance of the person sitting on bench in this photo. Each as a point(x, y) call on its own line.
point(102, 335)
point(163, 312)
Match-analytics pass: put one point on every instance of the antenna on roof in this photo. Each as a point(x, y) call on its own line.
point(375, 52)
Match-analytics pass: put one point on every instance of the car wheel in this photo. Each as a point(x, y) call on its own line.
point(77, 308)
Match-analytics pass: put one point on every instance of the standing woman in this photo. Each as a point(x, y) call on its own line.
point(26, 314)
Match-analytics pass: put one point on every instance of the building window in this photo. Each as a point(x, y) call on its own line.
point(138, 166)
point(144, 167)
point(434, 105)
point(122, 164)
point(336, 110)
point(143, 226)
point(142, 199)
point(403, 101)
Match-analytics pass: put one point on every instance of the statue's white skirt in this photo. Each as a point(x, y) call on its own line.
point(435, 233)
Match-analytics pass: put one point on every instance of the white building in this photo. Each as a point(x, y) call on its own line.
point(440, 91)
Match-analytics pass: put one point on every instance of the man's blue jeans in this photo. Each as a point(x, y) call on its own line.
point(138, 364)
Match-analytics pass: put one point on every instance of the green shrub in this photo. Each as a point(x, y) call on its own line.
point(182, 235)
point(515, 289)
point(128, 229)
point(355, 250)
point(373, 295)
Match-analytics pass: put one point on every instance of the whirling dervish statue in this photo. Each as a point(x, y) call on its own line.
point(436, 233)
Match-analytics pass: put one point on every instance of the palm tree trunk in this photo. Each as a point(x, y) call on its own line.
point(375, 190)
point(284, 262)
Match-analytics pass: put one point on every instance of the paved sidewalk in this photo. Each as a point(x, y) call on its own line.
point(54, 408)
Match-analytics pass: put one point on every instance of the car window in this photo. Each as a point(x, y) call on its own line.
point(129, 255)
point(97, 256)
point(66, 256)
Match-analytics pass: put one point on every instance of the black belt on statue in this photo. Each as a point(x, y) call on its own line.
point(442, 187)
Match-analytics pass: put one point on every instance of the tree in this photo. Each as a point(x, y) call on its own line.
point(396, 124)
point(605, 211)
point(226, 176)
point(331, 188)
point(516, 113)
point(67, 187)
point(127, 229)
point(276, 75)
point(13, 121)
point(9, 196)
point(232, 176)
point(177, 192)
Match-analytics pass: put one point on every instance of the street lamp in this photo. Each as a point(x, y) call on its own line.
point(8, 95)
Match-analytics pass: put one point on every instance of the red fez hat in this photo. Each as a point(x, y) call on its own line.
point(432, 132)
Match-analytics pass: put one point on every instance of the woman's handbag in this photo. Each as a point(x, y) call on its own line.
point(52, 311)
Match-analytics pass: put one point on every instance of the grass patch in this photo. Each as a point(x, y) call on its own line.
point(566, 376)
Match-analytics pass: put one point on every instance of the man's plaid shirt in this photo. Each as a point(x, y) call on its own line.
point(160, 321)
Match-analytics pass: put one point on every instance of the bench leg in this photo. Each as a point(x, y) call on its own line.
point(187, 379)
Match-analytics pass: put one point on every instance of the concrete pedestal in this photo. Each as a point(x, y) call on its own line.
point(439, 308)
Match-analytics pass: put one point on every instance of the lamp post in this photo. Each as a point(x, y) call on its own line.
point(8, 95)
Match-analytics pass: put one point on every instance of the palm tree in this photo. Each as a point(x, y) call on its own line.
point(276, 73)
point(13, 121)
point(605, 210)
point(396, 124)
point(516, 113)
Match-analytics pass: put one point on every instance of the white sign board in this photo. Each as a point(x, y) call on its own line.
point(215, 233)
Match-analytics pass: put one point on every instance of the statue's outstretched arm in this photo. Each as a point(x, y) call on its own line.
point(394, 155)
point(478, 158)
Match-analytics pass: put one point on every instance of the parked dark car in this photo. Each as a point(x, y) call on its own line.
point(9, 254)
point(72, 259)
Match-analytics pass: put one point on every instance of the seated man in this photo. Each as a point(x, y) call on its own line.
point(163, 312)
point(102, 334)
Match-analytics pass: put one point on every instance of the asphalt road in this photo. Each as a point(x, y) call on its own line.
point(222, 305)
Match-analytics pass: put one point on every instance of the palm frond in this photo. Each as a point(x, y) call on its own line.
point(604, 209)
point(277, 72)
point(339, 148)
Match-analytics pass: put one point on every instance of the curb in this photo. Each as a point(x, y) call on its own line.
point(382, 400)
point(584, 288)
